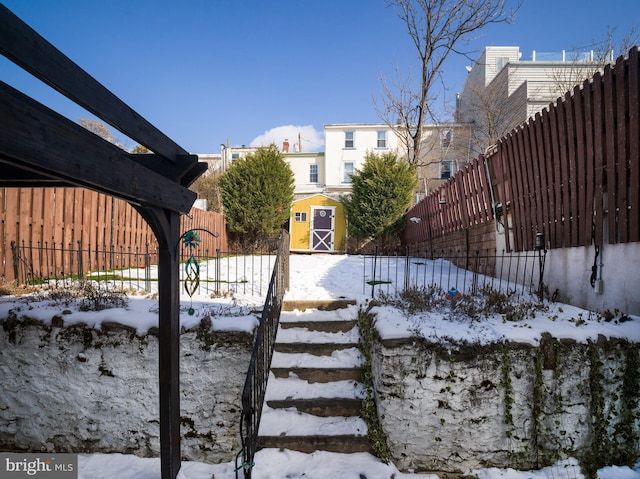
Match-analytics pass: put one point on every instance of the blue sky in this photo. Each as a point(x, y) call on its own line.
point(211, 71)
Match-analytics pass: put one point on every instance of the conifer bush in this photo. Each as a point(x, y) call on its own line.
point(257, 192)
point(381, 192)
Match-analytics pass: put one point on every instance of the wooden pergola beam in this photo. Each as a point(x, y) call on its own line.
point(29, 50)
point(39, 147)
point(38, 139)
point(14, 177)
point(173, 171)
point(166, 225)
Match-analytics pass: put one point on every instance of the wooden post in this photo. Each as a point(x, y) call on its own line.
point(169, 347)
point(166, 226)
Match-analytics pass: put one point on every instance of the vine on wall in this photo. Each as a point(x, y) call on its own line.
point(613, 408)
point(625, 447)
point(369, 411)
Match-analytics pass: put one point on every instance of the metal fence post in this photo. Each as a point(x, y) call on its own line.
point(14, 254)
point(80, 268)
point(217, 280)
point(147, 265)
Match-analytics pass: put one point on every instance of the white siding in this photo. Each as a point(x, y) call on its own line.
point(365, 138)
point(523, 87)
point(497, 58)
point(300, 166)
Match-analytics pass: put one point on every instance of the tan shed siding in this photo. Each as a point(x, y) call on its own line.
point(300, 239)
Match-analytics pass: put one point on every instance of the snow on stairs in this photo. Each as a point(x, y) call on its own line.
point(315, 391)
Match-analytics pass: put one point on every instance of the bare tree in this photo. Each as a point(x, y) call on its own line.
point(487, 109)
point(436, 29)
point(585, 64)
point(100, 129)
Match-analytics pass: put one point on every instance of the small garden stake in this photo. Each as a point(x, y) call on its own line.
point(191, 267)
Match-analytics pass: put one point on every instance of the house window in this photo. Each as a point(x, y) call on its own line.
point(445, 169)
point(445, 138)
point(501, 62)
point(382, 139)
point(313, 173)
point(348, 139)
point(300, 217)
point(348, 172)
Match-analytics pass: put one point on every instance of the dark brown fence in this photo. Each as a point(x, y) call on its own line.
point(572, 173)
point(462, 202)
point(56, 220)
point(575, 164)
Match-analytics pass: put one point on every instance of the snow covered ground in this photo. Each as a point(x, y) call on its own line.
point(334, 277)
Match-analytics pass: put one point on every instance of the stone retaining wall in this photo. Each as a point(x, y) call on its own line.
point(511, 405)
point(80, 389)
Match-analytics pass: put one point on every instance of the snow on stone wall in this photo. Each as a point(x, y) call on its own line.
point(79, 389)
point(511, 405)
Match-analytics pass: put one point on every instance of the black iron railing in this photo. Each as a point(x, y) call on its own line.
point(466, 271)
point(56, 264)
point(260, 364)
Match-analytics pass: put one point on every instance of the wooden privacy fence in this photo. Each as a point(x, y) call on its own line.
point(55, 221)
point(576, 163)
point(463, 201)
point(572, 173)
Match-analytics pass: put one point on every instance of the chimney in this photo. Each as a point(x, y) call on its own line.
point(285, 146)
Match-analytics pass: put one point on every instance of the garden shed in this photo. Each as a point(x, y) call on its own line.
point(41, 148)
point(318, 224)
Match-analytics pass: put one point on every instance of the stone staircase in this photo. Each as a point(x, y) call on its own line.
point(314, 394)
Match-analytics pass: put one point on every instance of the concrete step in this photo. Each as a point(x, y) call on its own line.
point(299, 431)
point(295, 388)
point(316, 375)
point(330, 326)
point(317, 349)
point(319, 304)
point(345, 444)
point(297, 334)
point(324, 407)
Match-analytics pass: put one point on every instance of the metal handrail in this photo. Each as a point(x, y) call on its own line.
point(258, 374)
point(466, 271)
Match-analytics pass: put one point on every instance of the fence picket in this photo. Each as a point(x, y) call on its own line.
point(588, 202)
point(56, 219)
point(634, 144)
point(621, 131)
point(572, 172)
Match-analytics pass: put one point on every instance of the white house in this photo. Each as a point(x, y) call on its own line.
point(445, 146)
point(309, 172)
point(445, 151)
point(503, 90)
point(346, 145)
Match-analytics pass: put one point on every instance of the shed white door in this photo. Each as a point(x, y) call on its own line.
point(322, 224)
